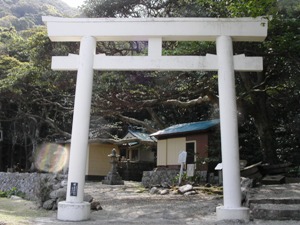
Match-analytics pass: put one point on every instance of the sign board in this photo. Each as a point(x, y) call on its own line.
point(190, 170)
point(219, 167)
point(74, 188)
point(182, 157)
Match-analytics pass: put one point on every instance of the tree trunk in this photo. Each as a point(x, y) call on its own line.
point(34, 137)
point(258, 109)
point(1, 157)
point(265, 131)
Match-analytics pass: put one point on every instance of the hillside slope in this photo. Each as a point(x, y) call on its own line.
point(24, 14)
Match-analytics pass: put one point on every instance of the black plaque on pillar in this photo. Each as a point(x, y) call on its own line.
point(74, 188)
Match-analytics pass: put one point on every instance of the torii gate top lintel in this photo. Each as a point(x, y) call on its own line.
point(169, 29)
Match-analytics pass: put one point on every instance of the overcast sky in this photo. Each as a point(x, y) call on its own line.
point(74, 3)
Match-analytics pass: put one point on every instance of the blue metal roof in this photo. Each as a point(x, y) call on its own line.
point(141, 135)
point(187, 127)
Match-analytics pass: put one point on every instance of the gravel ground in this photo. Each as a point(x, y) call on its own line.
point(129, 204)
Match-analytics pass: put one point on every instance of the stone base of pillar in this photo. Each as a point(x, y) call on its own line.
point(241, 213)
point(70, 211)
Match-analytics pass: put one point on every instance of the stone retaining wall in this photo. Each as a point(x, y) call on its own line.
point(35, 186)
point(44, 188)
point(159, 177)
point(166, 177)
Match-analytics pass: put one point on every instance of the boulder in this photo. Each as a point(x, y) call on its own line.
point(87, 198)
point(165, 185)
point(59, 193)
point(54, 206)
point(246, 184)
point(185, 188)
point(49, 204)
point(192, 192)
point(164, 192)
point(96, 206)
point(14, 197)
point(60, 200)
point(154, 190)
point(56, 187)
point(64, 183)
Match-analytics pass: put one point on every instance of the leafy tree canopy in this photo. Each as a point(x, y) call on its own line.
point(145, 99)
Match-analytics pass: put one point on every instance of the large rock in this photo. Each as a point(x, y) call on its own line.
point(14, 197)
point(192, 192)
point(185, 188)
point(56, 186)
point(246, 184)
point(154, 190)
point(64, 183)
point(96, 206)
point(49, 204)
point(60, 193)
point(87, 198)
point(164, 192)
point(60, 200)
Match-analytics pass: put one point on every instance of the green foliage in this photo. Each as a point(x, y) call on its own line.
point(26, 14)
point(11, 192)
point(239, 8)
point(185, 179)
point(252, 8)
point(140, 8)
point(36, 102)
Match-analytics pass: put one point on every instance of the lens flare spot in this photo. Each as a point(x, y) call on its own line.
point(51, 158)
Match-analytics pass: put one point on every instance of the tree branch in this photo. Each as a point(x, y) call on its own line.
point(186, 104)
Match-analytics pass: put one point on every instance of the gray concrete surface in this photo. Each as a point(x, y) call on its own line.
point(124, 205)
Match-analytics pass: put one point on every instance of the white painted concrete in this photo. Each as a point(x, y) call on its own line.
point(169, 29)
point(155, 47)
point(74, 208)
point(229, 130)
point(240, 213)
point(161, 63)
point(70, 211)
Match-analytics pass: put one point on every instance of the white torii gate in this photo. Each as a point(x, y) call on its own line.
point(155, 30)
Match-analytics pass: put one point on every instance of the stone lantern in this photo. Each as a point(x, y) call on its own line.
point(113, 177)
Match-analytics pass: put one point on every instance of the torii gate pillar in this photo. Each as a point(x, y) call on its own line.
point(74, 208)
point(229, 134)
point(155, 31)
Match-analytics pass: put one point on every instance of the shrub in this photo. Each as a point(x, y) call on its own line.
point(9, 193)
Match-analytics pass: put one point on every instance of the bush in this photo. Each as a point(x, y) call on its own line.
point(9, 193)
point(194, 180)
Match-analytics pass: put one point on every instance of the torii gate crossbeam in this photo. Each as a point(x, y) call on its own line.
point(155, 31)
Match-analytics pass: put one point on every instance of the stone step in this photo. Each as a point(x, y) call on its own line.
point(274, 179)
point(274, 201)
point(275, 211)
